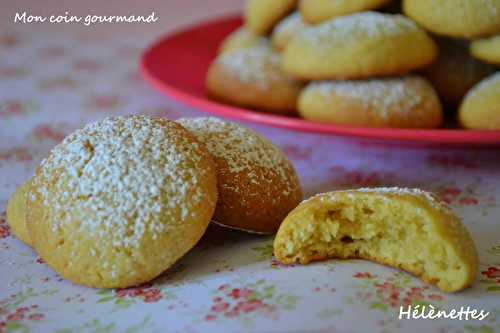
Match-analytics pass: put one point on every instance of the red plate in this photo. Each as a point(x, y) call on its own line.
point(176, 66)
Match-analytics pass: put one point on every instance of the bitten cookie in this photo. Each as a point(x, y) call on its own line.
point(455, 72)
point(480, 108)
point(408, 102)
point(487, 49)
point(241, 38)
point(252, 77)
point(361, 45)
point(262, 15)
point(316, 11)
point(16, 213)
point(286, 30)
point(257, 184)
point(404, 228)
point(456, 18)
point(121, 200)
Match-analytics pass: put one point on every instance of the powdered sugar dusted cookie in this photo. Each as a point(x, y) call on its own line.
point(257, 184)
point(407, 102)
point(404, 228)
point(316, 11)
point(252, 77)
point(487, 49)
point(242, 38)
point(361, 45)
point(286, 29)
point(119, 201)
point(262, 15)
point(16, 213)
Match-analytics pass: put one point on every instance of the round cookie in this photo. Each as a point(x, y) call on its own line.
point(16, 213)
point(456, 18)
point(316, 11)
point(252, 77)
point(257, 184)
point(480, 108)
point(455, 72)
point(361, 45)
point(408, 102)
point(286, 29)
point(487, 49)
point(121, 200)
point(262, 15)
point(405, 228)
point(241, 38)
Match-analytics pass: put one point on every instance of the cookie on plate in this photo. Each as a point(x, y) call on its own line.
point(487, 49)
point(480, 108)
point(456, 18)
point(361, 45)
point(16, 213)
point(404, 228)
point(286, 30)
point(241, 38)
point(407, 102)
point(121, 200)
point(252, 77)
point(455, 72)
point(262, 15)
point(257, 184)
point(316, 11)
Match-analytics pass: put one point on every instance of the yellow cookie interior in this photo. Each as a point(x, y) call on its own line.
point(16, 213)
point(407, 229)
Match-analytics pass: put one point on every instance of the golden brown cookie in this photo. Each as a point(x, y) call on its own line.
point(241, 38)
point(118, 202)
point(262, 15)
point(257, 184)
point(480, 108)
point(361, 45)
point(487, 49)
point(456, 18)
point(455, 72)
point(407, 102)
point(16, 213)
point(252, 77)
point(404, 228)
point(286, 30)
point(316, 11)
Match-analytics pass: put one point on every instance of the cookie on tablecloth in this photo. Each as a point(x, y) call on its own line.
point(404, 228)
point(118, 202)
point(257, 183)
point(16, 213)
point(362, 45)
point(286, 30)
point(262, 15)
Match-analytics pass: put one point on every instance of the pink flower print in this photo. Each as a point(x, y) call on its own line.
point(220, 307)
point(210, 317)
point(12, 72)
point(469, 201)
point(45, 131)
point(492, 273)
point(296, 153)
point(105, 102)
point(364, 275)
point(12, 107)
point(87, 65)
point(9, 41)
point(51, 52)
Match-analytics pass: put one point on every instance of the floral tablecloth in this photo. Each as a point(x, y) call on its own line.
point(53, 81)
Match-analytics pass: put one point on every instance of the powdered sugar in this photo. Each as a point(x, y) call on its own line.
point(258, 65)
point(386, 96)
point(114, 177)
point(365, 24)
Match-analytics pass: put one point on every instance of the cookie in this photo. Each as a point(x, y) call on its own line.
point(316, 11)
point(404, 228)
point(262, 15)
point(257, 184)
point(252, 78)
point(121, 200)
point(286, 29)
point(487, 49)
point(361, 45)
point(241, 38)
point(456, 18)
point(407, 102)
point(16, 213)
point(455, 72)
point(480, 108)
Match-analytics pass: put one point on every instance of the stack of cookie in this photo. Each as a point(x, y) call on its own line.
point(344, 63)
point(118, 202)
